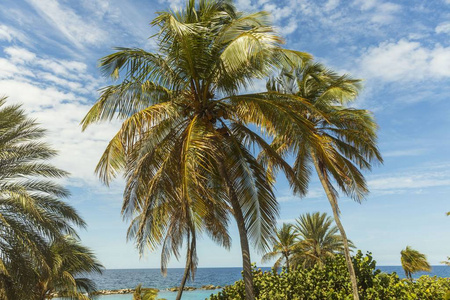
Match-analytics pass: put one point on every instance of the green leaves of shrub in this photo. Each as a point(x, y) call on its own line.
point(331, 282)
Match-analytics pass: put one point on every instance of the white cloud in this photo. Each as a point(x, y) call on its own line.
point(380, 12)
point(57, 93)
point(278, 13)
point(5, 34)
point(443, 27)
point(410, 181)
point(67, 74)
point(331, 4)
point(19, 54)
point(9, 34)
point(405, 61)
point(9, 70)
point(313, 193)
point(366, 4)
point(79, 31)
point(405, 152)
point(290, 27)
point(385, 13)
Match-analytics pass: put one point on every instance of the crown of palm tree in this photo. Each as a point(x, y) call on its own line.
point(284, 243)
point(185, 143)
point(70, 260)
point(344, 139)
point(413, 261)
point(318, 239)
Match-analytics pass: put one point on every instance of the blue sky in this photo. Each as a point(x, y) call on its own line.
point(48, 55)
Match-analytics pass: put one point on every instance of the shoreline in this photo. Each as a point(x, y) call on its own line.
point(174, 289)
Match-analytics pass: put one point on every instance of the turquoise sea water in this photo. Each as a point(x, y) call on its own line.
point(187, 295)
point(130, 278)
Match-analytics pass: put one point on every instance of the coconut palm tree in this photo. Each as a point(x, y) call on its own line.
point(31, 210)
point(283, 245)
point(413, 261)
point(343, 141)
point(70, 260)
point(185, 141)
point(318, 239)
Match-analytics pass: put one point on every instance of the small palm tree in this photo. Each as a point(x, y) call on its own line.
point(283, 245)
point(413, 261)
point(144, 294)
point(70, 260)
point(318, 239)
point(31, 210)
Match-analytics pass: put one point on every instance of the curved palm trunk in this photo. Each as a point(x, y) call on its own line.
point(187, 268)
point(245, 249)
point(246, 263)
point(332, 199)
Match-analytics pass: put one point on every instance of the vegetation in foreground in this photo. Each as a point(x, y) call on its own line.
point(40, 254)
point(331, 281)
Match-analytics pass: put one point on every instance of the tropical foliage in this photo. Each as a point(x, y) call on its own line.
point(310, 241)
point(413, 261)
point(32, 215)
point(141, 293)
point(318, 240)
point(284, 243)
point(344, 139)
point(70, 260)
point(186, 138)
point(332, 282)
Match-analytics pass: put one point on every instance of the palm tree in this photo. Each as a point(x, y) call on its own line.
point(31, 210)
point(283, 243)
point(144, 294)
point(413, 261)
point(185, 143)
point(70, 260)
point(318, 239)
point(343, 141)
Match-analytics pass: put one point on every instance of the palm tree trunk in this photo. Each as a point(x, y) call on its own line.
point(246, 263)
point(187, 268)
point(287, 261)
point(245, 249)
point(333, 201)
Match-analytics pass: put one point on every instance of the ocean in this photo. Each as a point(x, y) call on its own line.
point(130, 278)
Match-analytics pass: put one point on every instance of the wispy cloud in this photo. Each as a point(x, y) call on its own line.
point(443, 28)
point(404, 152)
point(411, 182)
point(10, 34)
point(76, 29)
point(58, 93)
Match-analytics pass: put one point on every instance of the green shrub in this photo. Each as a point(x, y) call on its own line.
point(332, 282)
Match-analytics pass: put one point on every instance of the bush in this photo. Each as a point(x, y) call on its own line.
point(332, 282)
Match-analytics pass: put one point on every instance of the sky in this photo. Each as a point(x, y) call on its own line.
point(49, 51)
